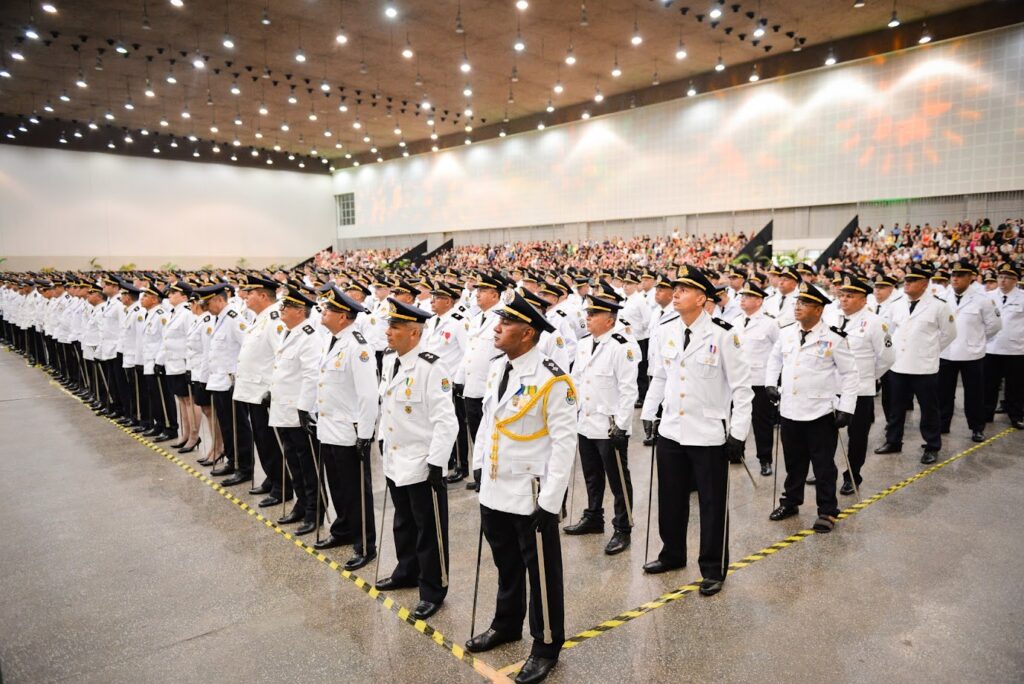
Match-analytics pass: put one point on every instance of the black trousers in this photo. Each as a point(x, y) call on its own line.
point(905, 388)
point(302, 465)
point(460, 450)
point(351, 483)
point(764, 415)
point(149, 401)
point(599, 460)
point(164, 401)
point(643, 380)
point(271, 459)
point(234, 429)
point(971, 373)
point(474, 414)
point(810, 443)
point(1008, 370)
point(857, 432)
point(416, 544)
point(885, 383)
point(124, 392)
point(679, 468)
point(514, 549)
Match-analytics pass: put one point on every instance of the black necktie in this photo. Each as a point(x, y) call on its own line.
point(594, 348)
point(745, 321)
point(394, 372)
point(333, 340)
point(686, 338)
point(1004, 299)
point(958, 299)
point(913, 304)
point(845, 321)
point(803, 336)
point(782, 300)
point(503, 385)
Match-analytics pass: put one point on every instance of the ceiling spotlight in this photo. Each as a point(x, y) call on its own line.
point(681, 50)
point(373, 149)
point(797, 46)
point(433, 135)
point(636, 39)
point(17, 55)
point(170, 76)
point(300, 56)
point(720, 66)
point(522, 5)
point(49, 8)
point(585, 115)
point(4, 73)
point(235, 158)
point(753, 75)
point(48, 107)
point(216, 149)
point(128, 104)
point(425, 105)
point(433, 148)
point(356, 124)
point(163, 122)
point(407, 50)
point(64, 97)
point(467, 91)
point(598, 95)
point(193, 138)
point(62, 140)
point(149, 92)
point(759, 28)
point(343, 107)
point(285, 127)
point(235, 90)
point(691, 91)
point(894, 21)
point(178, 3)
point(238, 120)
point(401, 143)
point(857, 4)
point(128, 138)
point(292, 99)
point(255, 152)
point(570, 56)
point(327, 133)
point(520, 44)
point(366, 139)
point(258, 134)
point(467, 141)
point(185, 114)
point(325, 86)
point(341, 37)
point(156, 150)
point(559, 88)
point(32, 34)
point(390, 11)
point(214, 129)
point(236, 143)
point(430, 121)
point(716, 12)
point(228, 42)
point(80, 81)
point(265, 18)
point(198, 62)
point(540, 126)
point(263, 109)
point(174, 143)
point(397, 131)
point(33, 119)
point(831, 59)
point(108, 115)
point(465, 67)
point(468, 128)
point(926, 37)
point(380, 159)
point(550, 108)
point(467, 112)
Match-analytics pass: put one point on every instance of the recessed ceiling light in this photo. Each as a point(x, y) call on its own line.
point(49, 8)
point(32, 34)
point(522, 5)
point(716, 12)
point(585, 115)
point(178, 3)
point(228, 42)
point(300, 56)
point(467, 91)
point(390, 11)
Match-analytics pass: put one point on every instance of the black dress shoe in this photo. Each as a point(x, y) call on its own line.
point(140, 428)
point(425, 609)
point(485, 641)
point(359, 560)
point(455, 476)
point(649, 441)
point(262, 489)
point(124, 420)
point(617, 544)
point(811, 480)
point(1017, 424)
point(269, 501)
point(847, 488)
point(889, 448)
point(151, 432)
point(331, 542)
point(293, 517)
point(164, 437)
point(586, 525)
point(225, 469)
point(390, 584)
point(766, 468)
point(305, 528)
point(945, 431)
point(656, 567)
point(978, 436)
point(475, 486)
point(535, 669)
point(236, 479)
point(710, 587)
point(783, 512)
point(929, 457)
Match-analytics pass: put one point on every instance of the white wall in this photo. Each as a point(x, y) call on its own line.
point(60, 208)
point(940, 119)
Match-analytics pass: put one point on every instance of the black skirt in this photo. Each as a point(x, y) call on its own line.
point(199, 394)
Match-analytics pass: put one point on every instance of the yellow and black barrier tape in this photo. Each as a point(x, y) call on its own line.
point(404, 614)
point(680, 592)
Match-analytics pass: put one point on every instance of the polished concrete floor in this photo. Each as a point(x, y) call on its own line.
point(119, 566)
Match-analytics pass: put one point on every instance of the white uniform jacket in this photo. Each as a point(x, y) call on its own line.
point(977, 322)
point(919, 337)
point(174, 349)
point(472, 372)
point(871, 343)
point(294, 375)
point(758, 334)
point(696, 386)
point(417, 416)
point(606, 380)
point(542, 419)
point(346, 404)
point(813, 372)
point(222, 356)
point(447, 337)
point(1009, 340)
point(256, 355)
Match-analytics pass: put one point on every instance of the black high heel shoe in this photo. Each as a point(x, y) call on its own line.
point(182, 449)
point(210, 461)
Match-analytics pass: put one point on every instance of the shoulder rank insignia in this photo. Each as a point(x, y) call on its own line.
point(552, 367)
point(769, 315)
point(457, 316)
point(721, 323)
point(308, 329)
point(232, 313)
point(275, 315)
point(389, 350)
point(359, 337)
point(669, 320)
point(428, 357)
point(618, 338)
point(940, 298)
point(788, 324)
point(560, 313)
point(837, 331)
point(585, 336)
